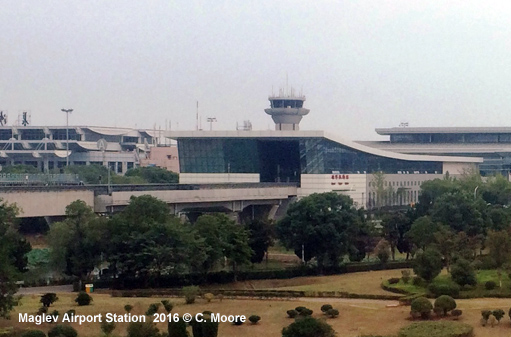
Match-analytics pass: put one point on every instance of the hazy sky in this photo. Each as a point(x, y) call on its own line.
point(361, 64)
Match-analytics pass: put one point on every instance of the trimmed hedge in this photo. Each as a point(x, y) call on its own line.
point(437, 329)
point(450, 289)
point(222, 277)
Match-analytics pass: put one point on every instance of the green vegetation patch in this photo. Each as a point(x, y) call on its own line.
point(437, 329)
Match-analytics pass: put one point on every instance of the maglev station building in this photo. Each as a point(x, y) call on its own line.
point(314, 160)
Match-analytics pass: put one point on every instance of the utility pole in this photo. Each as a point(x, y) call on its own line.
point(67, 111)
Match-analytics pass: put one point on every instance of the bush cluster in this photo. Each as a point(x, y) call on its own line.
point(190, 293)
point(450, 289)
point(422, 307)
point(83, 298)
point(437, 329)
point(62, 331)
point(490, 285)
point(393, 280)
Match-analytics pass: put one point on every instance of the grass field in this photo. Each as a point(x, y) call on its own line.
point(478, 291)
point(357, 283)
point(356, 316)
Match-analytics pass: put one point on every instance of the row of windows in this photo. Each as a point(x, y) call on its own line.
point(392, 198)
point(276, 157)
point(398, 183)
point(451, 138)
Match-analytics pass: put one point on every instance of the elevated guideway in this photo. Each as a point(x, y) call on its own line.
point(51, 201)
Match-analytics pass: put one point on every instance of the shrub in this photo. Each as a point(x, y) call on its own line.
point(299, 309)
point(42, 310)
point(490, 285)
point(62, 331)
point(405, 276)
point(305, 312)
point(307, 327)
point(48, 299)
point(418, 281)
point(128, 308)
point(439, 289)
point(428, 264)
point(292, 313)
point(332, 313)
point(190, 293)
point(142, 329)
point(167, 305)
point(393, 280)
point(177, 328)
point(325, 308)
point(209, 297)
point(153, 309)
point(209, 328)
point(254, 319)
point(107, 327)
point(499, 313)
point(486, 314)
point(382, 251)
point(446, 303)
point(456, 313)
point(439, 312)
point(237, 321)
point(33, 333)
point(423, 306)
point(463, 274)
point(55, 314)
point(83, 298)
point(437, 329)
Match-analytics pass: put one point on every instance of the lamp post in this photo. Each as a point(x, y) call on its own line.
point(211, 120)
point(67, 111)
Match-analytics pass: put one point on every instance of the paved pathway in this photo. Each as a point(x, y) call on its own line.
point(43, 290)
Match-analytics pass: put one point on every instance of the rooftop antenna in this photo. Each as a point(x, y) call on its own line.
point(197, 117)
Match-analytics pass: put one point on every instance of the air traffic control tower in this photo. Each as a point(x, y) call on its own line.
point(286, 110)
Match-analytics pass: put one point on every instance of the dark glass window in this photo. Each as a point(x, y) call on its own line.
point(447, 138)
point(481, 138)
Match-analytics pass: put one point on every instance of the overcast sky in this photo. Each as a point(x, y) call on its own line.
point(361, 64)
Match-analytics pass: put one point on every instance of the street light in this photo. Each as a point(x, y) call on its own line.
point(211, 120)
point(67, 111)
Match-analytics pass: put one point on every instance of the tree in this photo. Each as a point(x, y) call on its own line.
point(499, 244)
point(422, 232)
point(308, 327)
point(146, 240)
point(422, 306)
point(325, 224)
point(382, 251)
point(13, 261)
point(77, 242)
point(428, 264)
point(395, 225)
point(260, 238)
point(223, 238)
point(445, 243)
point(462, 273)
point(446, 303)
point(154, 175)
point(460, 212)
point(383, 193)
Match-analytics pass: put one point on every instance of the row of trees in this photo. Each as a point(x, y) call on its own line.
point(13, 261)
point(146, 241)
point(454, 216)
point(97, 174)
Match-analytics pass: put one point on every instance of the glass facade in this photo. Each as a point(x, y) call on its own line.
point(285, 159)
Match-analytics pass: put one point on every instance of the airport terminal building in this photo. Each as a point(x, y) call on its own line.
point(50, 147)
point(314, 160)
point(493, 144)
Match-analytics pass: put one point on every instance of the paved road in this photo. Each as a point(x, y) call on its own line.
point(43, 290)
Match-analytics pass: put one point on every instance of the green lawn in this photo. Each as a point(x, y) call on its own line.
point(479, 290)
